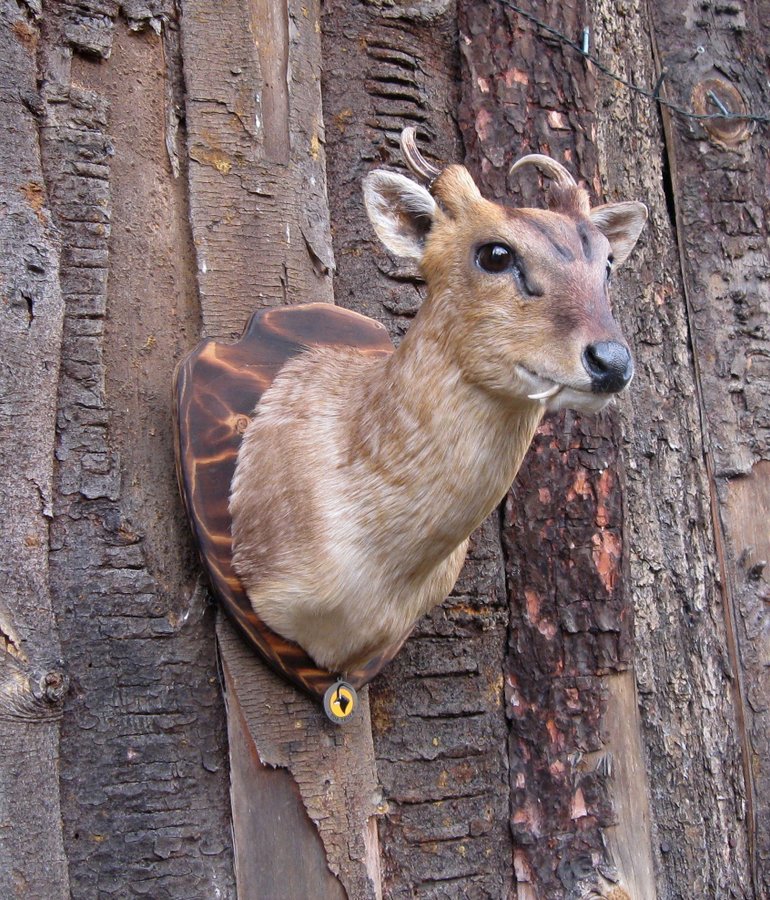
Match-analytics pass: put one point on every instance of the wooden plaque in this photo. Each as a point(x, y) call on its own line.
point(216, 388)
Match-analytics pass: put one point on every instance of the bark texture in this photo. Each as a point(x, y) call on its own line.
point(562, 530)
point(437, 710)
point(587, 715)
point(32, 683)
point(721, 204)
point(574, 619)
point(261, 229)
point(143, 750)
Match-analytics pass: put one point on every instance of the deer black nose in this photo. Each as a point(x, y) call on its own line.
point(610, 366)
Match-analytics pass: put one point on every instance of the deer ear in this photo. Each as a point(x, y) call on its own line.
point(401, 212)
point(621, 224)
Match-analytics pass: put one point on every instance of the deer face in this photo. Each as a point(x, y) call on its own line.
point(521, 294)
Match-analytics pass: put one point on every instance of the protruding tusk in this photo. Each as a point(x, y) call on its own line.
point(414, 159)
point(544, 395)
point(549, 167)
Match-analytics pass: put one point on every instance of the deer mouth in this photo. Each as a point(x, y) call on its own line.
point(542, 388)
point(557, 395)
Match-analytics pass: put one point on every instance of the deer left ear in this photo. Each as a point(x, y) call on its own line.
point(621, 224)
point(401, 212)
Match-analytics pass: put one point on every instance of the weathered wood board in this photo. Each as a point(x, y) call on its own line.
point(143, 756)
point(260, 223)
point(720, 190)
point(32, 679)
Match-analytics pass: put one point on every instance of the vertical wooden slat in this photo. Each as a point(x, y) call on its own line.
point(257, 166)
point(576, 818)
point(719, 185)
point(142, 757)
point(261, 230)
point(32, 685)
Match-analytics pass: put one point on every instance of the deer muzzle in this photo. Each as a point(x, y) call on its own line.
point(609, 366)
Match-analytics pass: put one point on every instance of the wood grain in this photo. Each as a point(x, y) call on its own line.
point(266, 859)
point(332, 774)
point(144, 723)
point(686, 681)
point(257, 162)
point(719, 185)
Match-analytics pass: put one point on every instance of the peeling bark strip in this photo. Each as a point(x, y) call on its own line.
point(143, 762)
point(32, 686)
point(719, 182)
point(261, 229)
point(437, 710)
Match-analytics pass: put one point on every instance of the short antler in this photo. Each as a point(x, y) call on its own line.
point(548, 167)
point(416, 162)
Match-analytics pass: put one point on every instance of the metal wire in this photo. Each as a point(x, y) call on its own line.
point(650, 93)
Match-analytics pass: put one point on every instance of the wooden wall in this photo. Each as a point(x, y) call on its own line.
point(587, 714)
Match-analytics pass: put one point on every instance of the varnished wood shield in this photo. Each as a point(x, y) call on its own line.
point(216, 389)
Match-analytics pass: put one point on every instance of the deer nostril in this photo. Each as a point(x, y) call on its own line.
point(610, 366)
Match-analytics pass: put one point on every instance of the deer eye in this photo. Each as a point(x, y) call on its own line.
point(496, 259)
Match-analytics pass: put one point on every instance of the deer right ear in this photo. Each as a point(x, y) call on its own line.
point(401, 212)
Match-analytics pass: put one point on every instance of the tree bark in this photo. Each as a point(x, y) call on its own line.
point(143, 759)
point(719, 187)
point(261, 229)
point(437, 710)
point(32, 682)
point(587, 713)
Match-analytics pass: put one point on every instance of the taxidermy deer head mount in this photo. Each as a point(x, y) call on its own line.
point(359, 480)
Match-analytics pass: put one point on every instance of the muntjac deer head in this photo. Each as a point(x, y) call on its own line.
point(526, 290)
point(360, 479)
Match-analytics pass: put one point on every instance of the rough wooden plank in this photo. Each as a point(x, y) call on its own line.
point(683, 668)
point(571, 612)
point(622, 763)
point(268, 863)
point(257, 201)
point(437, 710)
point(261, 229)
point(721, 204)
point(32, 684)
point(745, 512)
point(332, 768)
point(143, 757)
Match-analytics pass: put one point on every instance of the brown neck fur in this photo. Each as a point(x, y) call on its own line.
point(438, 452)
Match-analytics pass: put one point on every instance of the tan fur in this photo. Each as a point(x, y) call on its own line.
point(359, 480)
